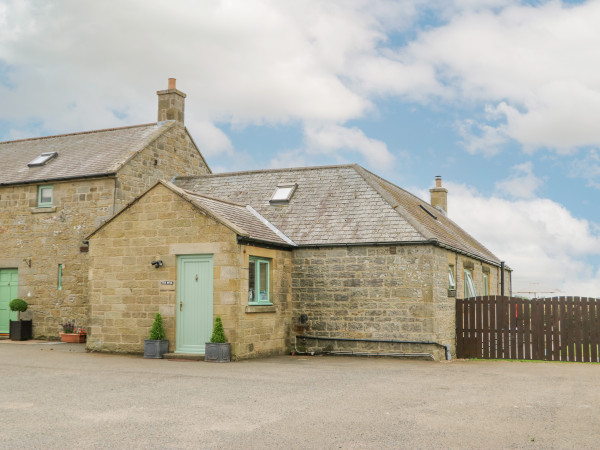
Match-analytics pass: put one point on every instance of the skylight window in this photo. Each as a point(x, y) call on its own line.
point(42, 159)
point(283, 193)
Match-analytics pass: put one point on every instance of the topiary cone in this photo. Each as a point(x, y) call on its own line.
point(218, 334)
point(157, 332)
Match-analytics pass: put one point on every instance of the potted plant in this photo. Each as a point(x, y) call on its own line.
point(156, 345)
point(72, 334)
point(20, 330)
point(218, 349)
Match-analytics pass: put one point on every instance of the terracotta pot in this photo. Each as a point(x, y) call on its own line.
point(73, 338)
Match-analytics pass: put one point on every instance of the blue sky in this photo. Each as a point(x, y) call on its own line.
point(500, 97)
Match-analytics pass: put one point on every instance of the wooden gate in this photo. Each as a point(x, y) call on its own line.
point(550, 329)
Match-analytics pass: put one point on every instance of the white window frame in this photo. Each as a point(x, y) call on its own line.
point(283, 193)
point(470, 290)
point(451, 278)
point(260, 295)
point(486, 284)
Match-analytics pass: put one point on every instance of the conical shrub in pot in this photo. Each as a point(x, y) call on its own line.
point(218, 349)
point(156, 345)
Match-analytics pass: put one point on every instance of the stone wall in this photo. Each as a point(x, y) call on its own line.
point(378, 293)
point(126, 291)
point(172, 153)
point(36, 240)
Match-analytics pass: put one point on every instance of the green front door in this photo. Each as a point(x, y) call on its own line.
point(9, 285)
point(194, 302)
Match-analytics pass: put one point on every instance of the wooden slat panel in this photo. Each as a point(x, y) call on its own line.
point(512, 316)
point(585, 329)
point(505, 328)
point(594, 329)
point(555, 329)
point(527, 328)
point(459, 328)
point(471, 349)
point(548, 322)
point(577, 328)
point(485, 310)
point(570, 356)
point(479, 325)
point(493, 329)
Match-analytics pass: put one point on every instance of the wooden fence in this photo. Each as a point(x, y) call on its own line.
point(551, 329)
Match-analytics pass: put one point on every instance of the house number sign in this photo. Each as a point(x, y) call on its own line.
point(167, 285)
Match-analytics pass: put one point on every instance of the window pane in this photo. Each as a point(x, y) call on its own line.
point(46, 195)
point(485, 285)
point(252, 282)
point(282, 193)
point(451, 282)
point(264, 280)
point(469, 285)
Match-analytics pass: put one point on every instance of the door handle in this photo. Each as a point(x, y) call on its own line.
point(180, 306)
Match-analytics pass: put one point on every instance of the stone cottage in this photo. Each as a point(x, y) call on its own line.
point(54, 191)
point(332, 258)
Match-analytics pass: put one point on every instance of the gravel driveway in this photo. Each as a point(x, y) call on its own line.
point(57, 396)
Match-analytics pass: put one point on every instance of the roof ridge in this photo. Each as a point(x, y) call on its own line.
point(227, 202)
point(81, 132)
point(246, 172)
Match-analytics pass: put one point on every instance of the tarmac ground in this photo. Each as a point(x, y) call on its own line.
point(56, 395)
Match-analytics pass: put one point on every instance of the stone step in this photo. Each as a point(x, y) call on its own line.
point(185, 356)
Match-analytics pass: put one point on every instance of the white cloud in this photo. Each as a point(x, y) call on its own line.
point(537, 65)
point(330, 139)
point(547, 247)
point(522, 182)
point(587, 168)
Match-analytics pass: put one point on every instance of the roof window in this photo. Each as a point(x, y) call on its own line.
point(283, 193)
point(42, 159)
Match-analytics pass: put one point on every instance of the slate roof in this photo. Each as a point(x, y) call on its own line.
point(339, 205)
point(241, 219)
point(91, 153)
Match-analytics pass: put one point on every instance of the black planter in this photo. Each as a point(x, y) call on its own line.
point(155, 349)
point(21, 330)
point(217, 352)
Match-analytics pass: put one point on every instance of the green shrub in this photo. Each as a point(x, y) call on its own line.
point(18, 304)
point(218, 334)
point(157, 332)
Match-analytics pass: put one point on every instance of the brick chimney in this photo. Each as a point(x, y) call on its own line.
point(171, 103)
point(439, 195)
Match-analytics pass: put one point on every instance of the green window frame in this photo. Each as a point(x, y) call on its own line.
point(45, 196)
point(60, 269)
point(259, 281)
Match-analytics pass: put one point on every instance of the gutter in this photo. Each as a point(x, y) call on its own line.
point(47, 180)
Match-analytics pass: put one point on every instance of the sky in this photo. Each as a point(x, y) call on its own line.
point(499, 97)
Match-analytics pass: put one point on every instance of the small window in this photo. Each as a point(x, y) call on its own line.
point(45, 195)
point(486, 284)
point(60, 269)
point(283, 193)
point(451, 279)
point(258, 281)
point(469, 285)
point(42, 159)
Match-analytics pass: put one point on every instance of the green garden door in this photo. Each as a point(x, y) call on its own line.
point(9, 285)
point(194, 302)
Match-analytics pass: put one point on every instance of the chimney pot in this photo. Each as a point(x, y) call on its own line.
point(172, 83)
point(438, 181)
